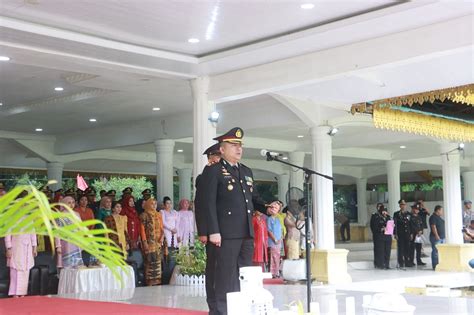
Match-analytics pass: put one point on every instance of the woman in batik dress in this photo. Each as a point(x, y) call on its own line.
point(118, 223)
point(152, 235)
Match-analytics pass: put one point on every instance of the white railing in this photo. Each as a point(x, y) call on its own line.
point(190, 280)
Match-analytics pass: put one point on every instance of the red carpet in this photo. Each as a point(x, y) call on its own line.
point(41, 305)
point(273, 281)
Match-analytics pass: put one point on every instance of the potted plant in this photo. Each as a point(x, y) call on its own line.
point(191, 263)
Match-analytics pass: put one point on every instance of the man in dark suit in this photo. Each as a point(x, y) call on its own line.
point(228, 199)
point(382, 241)
point(403, 235)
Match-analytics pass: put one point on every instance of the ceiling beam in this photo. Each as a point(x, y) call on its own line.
point(5, 134)
point(363, 153)
point(400, 48)
point(42, 30)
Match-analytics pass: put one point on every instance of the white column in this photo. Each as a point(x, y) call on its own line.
point(393, 183)
point(204, 130)
point(468, 180)
point(55, 172)
point(362, 213)
point(296, 176)
point(283, 181)
point(323, 217)
point(164, 168)
point(185, 183)
point(452, 193)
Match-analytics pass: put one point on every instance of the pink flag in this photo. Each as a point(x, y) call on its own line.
point(81, 183)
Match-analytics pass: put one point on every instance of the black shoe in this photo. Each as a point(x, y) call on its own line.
point(410, 265)
point(387, 268)
point(420, 263)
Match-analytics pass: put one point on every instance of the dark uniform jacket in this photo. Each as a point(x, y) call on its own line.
point(377, 224)
point(402, 224)
point(227, 198)
point(416, 224)
point(199, 211)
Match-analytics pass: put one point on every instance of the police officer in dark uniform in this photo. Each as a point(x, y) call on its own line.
point(403, 235)
point(228, 199)
point(213, 154)
point(70, 193)
point(382, 241)
point(416, 224)
point(146, 194)
point(79, 194)
point(48, 192)
point(91, 202)
point(128, 191)
point(111, 194)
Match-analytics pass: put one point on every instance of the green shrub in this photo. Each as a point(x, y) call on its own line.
point(118, 184)
point(438, 183)
point(409, 187)
point(25, 180)
point(192, 261)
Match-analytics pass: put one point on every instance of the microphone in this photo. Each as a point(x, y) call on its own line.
point(267, 153)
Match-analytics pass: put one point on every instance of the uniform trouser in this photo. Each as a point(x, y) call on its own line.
point(233, 254)
point(403, 246)
point(345, 227)
point(382, 249)
point(210, 276)
point(415, 247)
point(377, 250)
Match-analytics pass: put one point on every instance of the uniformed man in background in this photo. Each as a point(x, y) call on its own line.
point(228, 199)
point(382, 241)
point(146, 194)
point(403, 235)
point(91, 202)
point(416, 224)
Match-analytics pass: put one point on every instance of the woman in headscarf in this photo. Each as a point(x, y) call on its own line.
point(133, 221)
point(69, 255)
point(118, 223)
point(105, 209)
point(152, 241)
point(185, 224)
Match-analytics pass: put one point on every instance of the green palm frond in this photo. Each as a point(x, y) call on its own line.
point(34, 214)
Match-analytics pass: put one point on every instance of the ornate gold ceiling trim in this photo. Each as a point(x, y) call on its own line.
point(460, 94)
point(386, 118)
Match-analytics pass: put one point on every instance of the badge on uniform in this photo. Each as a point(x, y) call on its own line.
point(224, 172)
point(249, 180)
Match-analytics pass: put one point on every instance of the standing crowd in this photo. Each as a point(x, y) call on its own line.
point(142, 228)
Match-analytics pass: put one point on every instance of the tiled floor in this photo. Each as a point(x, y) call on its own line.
point(366, 281)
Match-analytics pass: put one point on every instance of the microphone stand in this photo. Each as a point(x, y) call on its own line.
point(307, 177)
